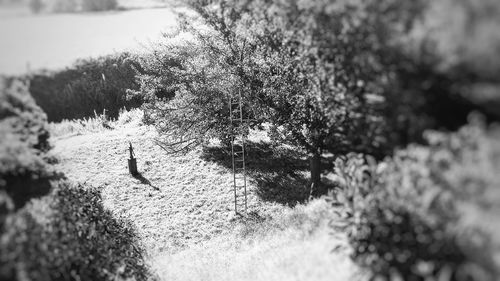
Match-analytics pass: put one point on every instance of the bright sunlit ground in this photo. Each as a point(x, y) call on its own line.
point(181, 207)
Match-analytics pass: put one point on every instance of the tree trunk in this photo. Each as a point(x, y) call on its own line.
point(315, 167)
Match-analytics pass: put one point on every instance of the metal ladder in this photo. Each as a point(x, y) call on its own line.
point(238, 153)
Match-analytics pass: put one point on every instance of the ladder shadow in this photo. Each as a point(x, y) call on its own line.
point(280, 173)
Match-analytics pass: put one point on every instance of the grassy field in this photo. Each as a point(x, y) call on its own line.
point(54, 41)
point(182, 209)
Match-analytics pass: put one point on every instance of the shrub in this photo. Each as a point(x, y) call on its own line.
point(97, 124)
point(403, 214)
point(89, 86)
point(23, 127)
point(68, 235)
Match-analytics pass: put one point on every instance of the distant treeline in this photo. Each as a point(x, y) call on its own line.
point(87, 87)
point(72, 6)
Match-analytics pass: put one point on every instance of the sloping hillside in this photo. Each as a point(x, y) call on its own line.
point(182, 209)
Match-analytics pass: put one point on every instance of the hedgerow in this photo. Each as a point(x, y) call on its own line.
point(87, 87)
point(404, 217)
point(68, 235)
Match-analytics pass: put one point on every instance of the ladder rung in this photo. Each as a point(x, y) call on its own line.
point(238, 142)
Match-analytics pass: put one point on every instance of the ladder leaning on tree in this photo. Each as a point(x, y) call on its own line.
point(238, 135)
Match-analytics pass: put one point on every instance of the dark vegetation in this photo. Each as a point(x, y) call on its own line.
point(66, 234)
point(24, 172)
point(69, 236)
point(88, 87)
point(403, 215)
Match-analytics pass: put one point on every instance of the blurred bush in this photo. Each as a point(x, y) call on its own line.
point(68, 235)
point(405, 215)
point(89, 86)
point(99, 5)
point(447, 67)
point(23, 143)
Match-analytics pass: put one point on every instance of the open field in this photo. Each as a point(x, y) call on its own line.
point(182, 209)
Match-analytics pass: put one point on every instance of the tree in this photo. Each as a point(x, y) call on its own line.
point(320, 68)
point(186, 95)
point(316, 70)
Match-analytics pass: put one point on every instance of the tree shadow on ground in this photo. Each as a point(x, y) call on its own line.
point(280, 173)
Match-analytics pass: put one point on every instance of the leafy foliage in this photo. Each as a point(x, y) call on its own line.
point(403, 214)
point(23, 127)
point(323, 71)
point(318, 86)
point(446, 69)
point(89, 86)
point(187, 94)
point(69, 236)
